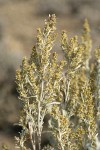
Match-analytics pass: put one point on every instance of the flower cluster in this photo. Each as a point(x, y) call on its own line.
point(68, 96)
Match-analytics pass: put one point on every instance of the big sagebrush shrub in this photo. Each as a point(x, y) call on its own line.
point(68, 90)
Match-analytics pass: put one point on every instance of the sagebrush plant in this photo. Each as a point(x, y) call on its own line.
point(68, 90)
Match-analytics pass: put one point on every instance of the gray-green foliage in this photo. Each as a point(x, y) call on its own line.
point(68, 97)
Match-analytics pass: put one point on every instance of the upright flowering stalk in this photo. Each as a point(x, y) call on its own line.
point(87, 42)
point(97, 82)
point(97, 91)
point(80, 105)
point(38, 85)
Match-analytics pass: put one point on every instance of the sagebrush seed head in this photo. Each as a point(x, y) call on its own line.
point(67, 96)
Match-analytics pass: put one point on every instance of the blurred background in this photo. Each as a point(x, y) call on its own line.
point(19, 20)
